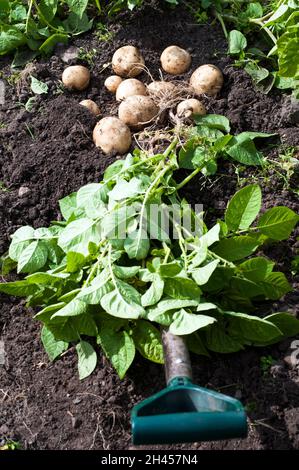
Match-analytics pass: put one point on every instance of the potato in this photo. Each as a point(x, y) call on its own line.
point(136, 111)
point(175, 60)
point(207, 79)
point(76, 77)
point(186, 108)
point(91, 106)
point(127, 61)
point(112, 83)
point(130, 87)
point(112, 135)
point(159, 88)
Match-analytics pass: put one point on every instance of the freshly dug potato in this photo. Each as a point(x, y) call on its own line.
point(76, 77)
point(186, 108)
point(136, 111)
point(159, 87)
point(175, 60)
point(127, 61)
point(112, 135)
point(112, 83)
point(130, 87)
point(91, 106)
point(207, 79)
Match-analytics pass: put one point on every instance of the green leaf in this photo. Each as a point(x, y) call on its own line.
point(278, 13)
point(118, 347)
point(114, 224)
point(48, 9)
point(10, 38)
point(125, 272)
point(77, 6)
point(99, 287)
point(235, 248)
point(278, 222)
point(257, 73)
point(169, 269)
point(159, 313)
point(53, 347)
point(78, 234)
point(37, 86)
point(185, 323)
point(251, 328)
point(147, 339)
point(154, 293)
point(196, 345)
point(18, 13)
point(203, 274)
point(92, 198)
point(236, 42)
point(126, 189)
point(113, 170)
point(18, 288)
point(68, 205)
point(181, 288)
point(256, 269)
point(245, 287)
point(74, 261)
point(70, 328)
point(213, 121)
point(243, 208)
point(33, 257)
point(204, 306)
point(46, 278)
point(287, 323)
point(124, 301)
point(87, 359)
point(21, 239)
point(74, 24)
point(73, 308)
point(245, 152)
point(49, 44)
point(275, 285)
point(218, 341)
point(137, 244)
point(210, 237)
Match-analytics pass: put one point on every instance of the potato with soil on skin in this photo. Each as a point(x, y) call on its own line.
point(91, 106)
point(112, 135)
point(175, 60)
point(112, 83)
point(127, 61)
point(76, 77)
point(160, 87)
point(130, 87)
point(207, 79)
point(187, 108)
point(137, 111)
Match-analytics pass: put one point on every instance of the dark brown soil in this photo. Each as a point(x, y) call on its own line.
point(50, 152)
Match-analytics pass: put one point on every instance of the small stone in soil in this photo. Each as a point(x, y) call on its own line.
point(75, 422)
point(67, 55)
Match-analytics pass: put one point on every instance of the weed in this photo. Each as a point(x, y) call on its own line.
point(11, 445)
point(3, 188)
point(87, 55)
point(266, 362)
point(103, 33)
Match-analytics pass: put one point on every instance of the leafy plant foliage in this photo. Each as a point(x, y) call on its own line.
point(111, 271)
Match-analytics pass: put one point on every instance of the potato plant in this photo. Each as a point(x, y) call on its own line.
point(112, 271)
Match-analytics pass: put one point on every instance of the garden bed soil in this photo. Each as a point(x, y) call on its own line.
point(48, 153)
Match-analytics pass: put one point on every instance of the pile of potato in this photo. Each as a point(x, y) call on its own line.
point(139, 103)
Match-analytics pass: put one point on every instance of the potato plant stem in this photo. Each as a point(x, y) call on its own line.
point(221, 21)
point(188, 178)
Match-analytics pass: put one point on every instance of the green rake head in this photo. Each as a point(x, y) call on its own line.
point(183, 411)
